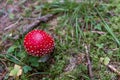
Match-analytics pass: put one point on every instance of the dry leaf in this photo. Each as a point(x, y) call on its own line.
point(17, 71)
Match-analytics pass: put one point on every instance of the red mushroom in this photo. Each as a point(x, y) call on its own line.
point(38, 43)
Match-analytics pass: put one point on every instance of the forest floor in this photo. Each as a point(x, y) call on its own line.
point(86, 34)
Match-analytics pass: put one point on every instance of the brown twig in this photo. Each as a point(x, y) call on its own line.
point(87, 47)
point(12, 25)
point(34, 24)
point(4, 73)
point(98, 32)
point(113, 69)
point(3, 64)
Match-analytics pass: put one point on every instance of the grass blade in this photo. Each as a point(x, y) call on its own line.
point(108, 28)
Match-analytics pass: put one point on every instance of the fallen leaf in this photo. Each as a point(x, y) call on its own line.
point(17, 71)
point(106, 60)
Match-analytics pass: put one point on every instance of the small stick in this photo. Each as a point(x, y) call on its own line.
point(98, 32)
point(4, 73)
point(13, 25)
point(34, 24)
point(89, 62)
point(113, 69)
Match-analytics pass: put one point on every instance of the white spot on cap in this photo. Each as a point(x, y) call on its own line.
point(41, 49)
point(40, 45)
point(37, 51)
point(45, 52)
point(31, 50)
point(49, 43)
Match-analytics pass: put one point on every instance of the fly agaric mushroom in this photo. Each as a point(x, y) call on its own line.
point(38, 43)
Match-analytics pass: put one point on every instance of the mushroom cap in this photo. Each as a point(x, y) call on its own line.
point(38, 43)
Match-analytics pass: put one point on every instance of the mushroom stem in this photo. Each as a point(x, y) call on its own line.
point(44, 58)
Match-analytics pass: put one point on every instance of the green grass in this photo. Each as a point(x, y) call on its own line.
point(75, 23)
